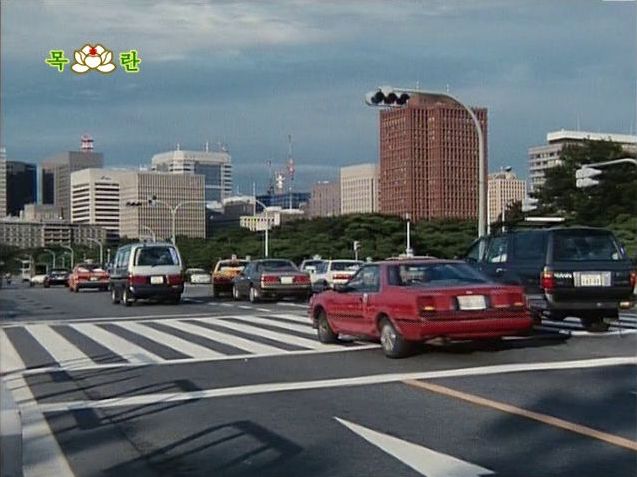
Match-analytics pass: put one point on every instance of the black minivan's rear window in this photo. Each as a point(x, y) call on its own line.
point(585, 245)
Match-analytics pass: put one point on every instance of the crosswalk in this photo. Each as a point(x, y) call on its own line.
point(134, 341)
point(128, 342)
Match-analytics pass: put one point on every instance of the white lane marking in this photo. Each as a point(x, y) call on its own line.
point(306, 330)
point(178, 344)
point(297, 305)
point(62, 351)
point(284, 338)
point(236, 341)
point(427, 462)
point(617, 324)
point(245, 357)
point(126, 349)
point(227, 305)
point(245, 307)
point(264, 310)
point(41, 454)
point(292, 317)
point(336, 383)
point(582, 333)
point(108, 319)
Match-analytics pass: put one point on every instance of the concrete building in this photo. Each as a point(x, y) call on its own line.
point(429, 159)
point(547, 156)
point(325, 200)
point(285, 200)
point(22, 185)
point(359, 189)
point(23, 234)
point(183, 193)
point(504, 189)
point(56, 174)
point(40, 213)
point(3, 182)
point(274, 216)
point(95, 198)
point(233, 209)
point(216, 167)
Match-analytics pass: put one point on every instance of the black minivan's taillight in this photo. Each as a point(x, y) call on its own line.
point(633, 279)
point(547, 279)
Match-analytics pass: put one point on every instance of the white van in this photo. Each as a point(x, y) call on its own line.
point(151, 270)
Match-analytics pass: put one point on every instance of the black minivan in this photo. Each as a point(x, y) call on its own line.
point(581, 272)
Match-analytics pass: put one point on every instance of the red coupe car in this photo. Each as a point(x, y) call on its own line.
point(407, 301)
point(88, 275)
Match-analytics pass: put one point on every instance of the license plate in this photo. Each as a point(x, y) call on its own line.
point(596, 279)
point(156, 280)
point(287, 280)
point(472, 302)
point(93, 279)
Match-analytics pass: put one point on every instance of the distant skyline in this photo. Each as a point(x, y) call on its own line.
point(250, 73)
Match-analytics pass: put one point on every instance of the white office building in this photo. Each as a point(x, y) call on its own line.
point(3, 182)
point(359, 189)
point(95, 198)
point(504, 189)
point(216, 167)
point(547, 156)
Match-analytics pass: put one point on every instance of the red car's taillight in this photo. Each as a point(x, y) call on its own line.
point(547, 279)
point(426, 304)
point(516, 300)
point(302, 279)
point(633, 279)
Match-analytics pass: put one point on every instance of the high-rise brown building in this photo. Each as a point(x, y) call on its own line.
point(429, 159)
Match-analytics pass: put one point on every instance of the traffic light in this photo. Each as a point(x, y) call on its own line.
point(386, 96)
point(152, 199)
point(584, 177)
point(357, 244)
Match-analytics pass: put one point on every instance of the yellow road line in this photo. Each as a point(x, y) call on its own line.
point(536, 416)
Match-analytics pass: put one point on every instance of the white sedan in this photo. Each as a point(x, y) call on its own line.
point(334, 272)
point(198, 276)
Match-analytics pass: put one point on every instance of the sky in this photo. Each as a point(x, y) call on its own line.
point(249, 73)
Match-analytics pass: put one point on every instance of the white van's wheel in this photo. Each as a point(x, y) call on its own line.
point(127, 300)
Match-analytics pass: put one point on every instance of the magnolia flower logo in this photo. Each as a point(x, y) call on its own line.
point(93, 58)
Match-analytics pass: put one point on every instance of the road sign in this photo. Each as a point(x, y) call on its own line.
point(529, 204)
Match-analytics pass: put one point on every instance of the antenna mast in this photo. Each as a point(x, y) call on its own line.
point(290, 167)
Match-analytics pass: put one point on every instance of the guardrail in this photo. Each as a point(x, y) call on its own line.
point(10, 434)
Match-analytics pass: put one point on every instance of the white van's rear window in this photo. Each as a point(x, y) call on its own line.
point(156, 256)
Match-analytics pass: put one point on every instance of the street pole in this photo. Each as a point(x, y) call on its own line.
point(72, 254)
point(408, 250)
point(52, 253)
point(152, 232)
point(101, 248)
point(267, 223)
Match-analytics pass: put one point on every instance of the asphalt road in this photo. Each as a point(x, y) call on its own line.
point(232, 389)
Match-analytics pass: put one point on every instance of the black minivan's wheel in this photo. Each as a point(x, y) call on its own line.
point(253, 296)
point(595, 324)
point(394, 345)
point(114, 296)
point(235, 293)
point(127, 299)
point(323, 329)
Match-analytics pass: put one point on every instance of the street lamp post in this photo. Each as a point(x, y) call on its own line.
point(101, 248)
point(53, 254)
point(173, 213)
point(267, 223)
point(408, 250)
point(400, 96)
point(151, 231)
point(72, 254)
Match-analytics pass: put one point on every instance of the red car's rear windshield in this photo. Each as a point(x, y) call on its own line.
point(89, 267)
point(434, 275)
